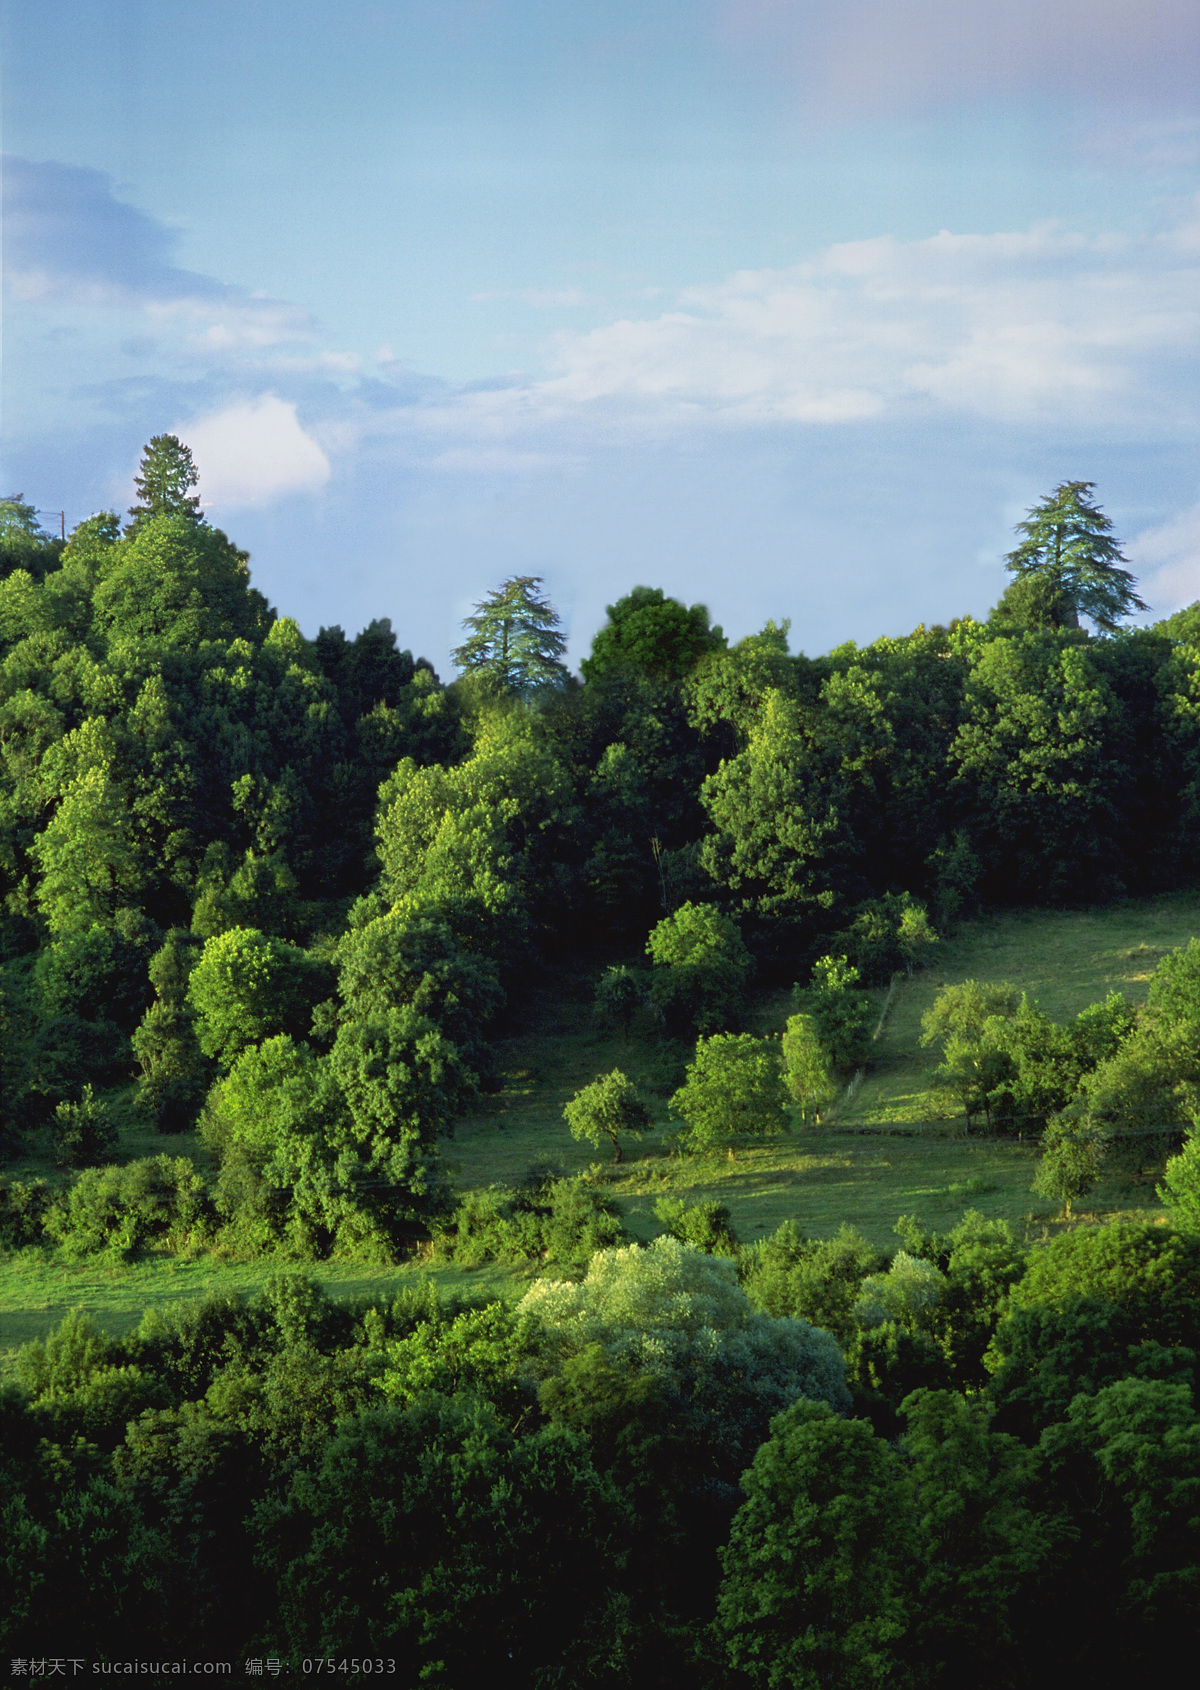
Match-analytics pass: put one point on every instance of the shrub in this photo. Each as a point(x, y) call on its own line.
point(705, 1226)
point(554, 1220)
point(23, 1207)
point(120, 1209)
point(81, 1134)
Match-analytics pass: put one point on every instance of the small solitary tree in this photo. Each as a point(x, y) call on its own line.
point(620, 994)
point(841, 1013)
point(967, 1017)
point(515, 643)
point(807, 1072)
point(733, 1090)
point(609, 1108)
point(1072, 1161)
point(1069, 547)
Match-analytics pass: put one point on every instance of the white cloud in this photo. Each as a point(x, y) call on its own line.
point(1040, 328)
point(254, 452)
point(1168, 560)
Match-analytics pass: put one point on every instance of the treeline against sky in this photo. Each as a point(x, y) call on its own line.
point(283, 886)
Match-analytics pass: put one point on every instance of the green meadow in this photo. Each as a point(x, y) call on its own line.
point(893, 1147)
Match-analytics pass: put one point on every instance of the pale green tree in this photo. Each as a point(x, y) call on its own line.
point(609, 1110)
point(807, 1072)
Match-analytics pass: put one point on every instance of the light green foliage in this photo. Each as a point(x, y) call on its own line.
point(1152, 1272)
point(705, 1225)
point(1037, 752)
point(967, 1018)
point(475, 844)
point(732, 688)
point(607, 1110)
point(841, 1014)
point(326, 1154)
point(778, 831)
point(1144, 1092)
point(120, 1209)
point(908, 1294)
point(817, 1584)
point(82, 1134)
point(807, 1072)
point(515, 644)
point(80, 1383)
point(86, 853)
point(247, 987)
point(390, 958)
point(1180, 1188)
point(1068, 542)
point(679, 1314)
point(485, 1352)
point(733, 1092)
point(557, 1220)
point(701, 969)
point(650, 634)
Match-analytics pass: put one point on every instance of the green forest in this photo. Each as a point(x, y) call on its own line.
point(488, 997)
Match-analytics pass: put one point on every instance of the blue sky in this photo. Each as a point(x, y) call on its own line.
point(790, 306)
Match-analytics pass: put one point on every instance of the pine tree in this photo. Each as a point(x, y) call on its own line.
point(1069, 544)
point(167, 474)
point(515, 642)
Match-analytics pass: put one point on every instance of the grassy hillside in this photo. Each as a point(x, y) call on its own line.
point(1063, 959)
point(887, 1151)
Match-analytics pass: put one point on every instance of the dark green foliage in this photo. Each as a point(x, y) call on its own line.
point(981, 1543)
point(164, 482)
point(1124, 1465)
point(817, 1572)
point(1068, 544)
point(81, 1134)
point(23, 1206)
point(431, 1534)
point(620, 994)
point(650, 634)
